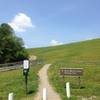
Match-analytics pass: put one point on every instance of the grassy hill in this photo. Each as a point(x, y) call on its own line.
point(84, 55)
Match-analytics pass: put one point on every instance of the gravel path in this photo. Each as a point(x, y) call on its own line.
point(44, 83)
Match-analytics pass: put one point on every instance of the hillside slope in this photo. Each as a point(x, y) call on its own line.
point(86, 49)
point(84, 55)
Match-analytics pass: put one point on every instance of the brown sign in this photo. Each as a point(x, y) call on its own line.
point(71, 71)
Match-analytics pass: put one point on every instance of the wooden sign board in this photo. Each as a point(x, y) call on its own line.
point(71, 71)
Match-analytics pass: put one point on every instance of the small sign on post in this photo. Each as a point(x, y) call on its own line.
point(26, 64)
point(25, 72)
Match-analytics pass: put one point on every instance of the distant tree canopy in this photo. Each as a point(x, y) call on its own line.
point(11, 47)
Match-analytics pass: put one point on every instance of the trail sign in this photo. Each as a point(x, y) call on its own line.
point(25, 72)
point(26, 64)
point(71, 71)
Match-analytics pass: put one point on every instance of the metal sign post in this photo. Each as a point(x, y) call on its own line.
point(25, 72)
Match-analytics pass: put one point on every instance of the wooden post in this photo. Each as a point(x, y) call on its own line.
point(44, 94)
point(10, 96)
point(64, 81)
point(68, 90)
point(79, 82)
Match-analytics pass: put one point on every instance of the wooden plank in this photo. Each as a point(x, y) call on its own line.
point(71, 71)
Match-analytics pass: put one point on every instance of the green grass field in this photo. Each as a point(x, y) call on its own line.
point(13, 81)
point(84, 55)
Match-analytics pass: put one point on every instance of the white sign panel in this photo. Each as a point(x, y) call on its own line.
point(26, 64)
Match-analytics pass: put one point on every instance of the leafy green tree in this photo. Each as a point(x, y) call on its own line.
point(11, 47)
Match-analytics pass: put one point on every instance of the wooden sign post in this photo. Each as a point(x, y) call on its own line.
point(72, 72)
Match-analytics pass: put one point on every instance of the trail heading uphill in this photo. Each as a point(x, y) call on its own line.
point(44, 83)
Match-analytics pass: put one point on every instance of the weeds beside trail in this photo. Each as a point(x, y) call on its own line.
point(13, 81)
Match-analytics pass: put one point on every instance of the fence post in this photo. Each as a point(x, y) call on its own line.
point(10, 96)
point(44, 94)
point(68, 90)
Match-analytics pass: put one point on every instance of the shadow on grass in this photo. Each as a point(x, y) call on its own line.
point(30, 92)
point(1, 98)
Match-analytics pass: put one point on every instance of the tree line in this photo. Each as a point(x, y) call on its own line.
point(11, 47)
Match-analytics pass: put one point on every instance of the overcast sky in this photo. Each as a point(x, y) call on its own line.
point(52, 22)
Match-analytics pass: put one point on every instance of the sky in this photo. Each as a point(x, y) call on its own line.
point(43, 23)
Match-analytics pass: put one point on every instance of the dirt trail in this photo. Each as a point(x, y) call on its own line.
point(44, 83)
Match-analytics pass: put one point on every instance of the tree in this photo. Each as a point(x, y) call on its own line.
point(11, 47)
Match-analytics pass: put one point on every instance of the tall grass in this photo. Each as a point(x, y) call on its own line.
point(13, 81)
